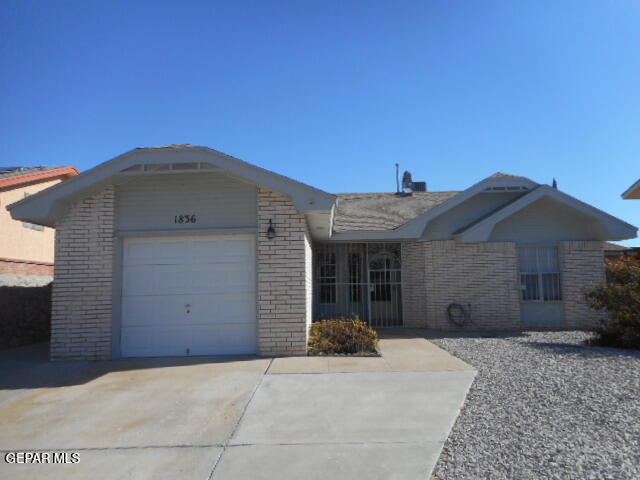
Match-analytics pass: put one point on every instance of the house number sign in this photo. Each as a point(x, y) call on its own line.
point(189, 218)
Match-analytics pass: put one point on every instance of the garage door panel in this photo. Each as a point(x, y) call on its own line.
point(141, 252)
point(223, 308)
point(155, 280)
point(192, 295)
point(224, 250)
point(170, 279)
point(160, 341)
point(220, 278)
point(224, 339)
point(154, 310)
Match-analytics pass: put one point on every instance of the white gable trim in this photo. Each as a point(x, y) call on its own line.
point(50, 204)
point(481, 231)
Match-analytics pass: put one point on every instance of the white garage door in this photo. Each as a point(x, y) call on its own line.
point(188, 295)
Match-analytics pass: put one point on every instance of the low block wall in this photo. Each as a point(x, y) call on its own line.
point(25, 315)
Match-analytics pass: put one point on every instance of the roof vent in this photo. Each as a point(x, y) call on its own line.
point(419, 186)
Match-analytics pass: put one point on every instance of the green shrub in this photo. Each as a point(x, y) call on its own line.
point(342, 336)
point(620, 298)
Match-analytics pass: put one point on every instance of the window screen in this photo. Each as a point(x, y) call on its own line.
point(539, 274)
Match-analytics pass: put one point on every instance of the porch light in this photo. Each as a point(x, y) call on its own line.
point(271, 232)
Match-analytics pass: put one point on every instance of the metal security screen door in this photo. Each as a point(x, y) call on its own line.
point(363, 279)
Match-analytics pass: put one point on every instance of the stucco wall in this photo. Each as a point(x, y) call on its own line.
point(18, 242)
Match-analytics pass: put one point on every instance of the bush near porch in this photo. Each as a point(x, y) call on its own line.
point(342, 336)
point(620, 298)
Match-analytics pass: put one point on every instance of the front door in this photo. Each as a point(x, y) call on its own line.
point(385, 289)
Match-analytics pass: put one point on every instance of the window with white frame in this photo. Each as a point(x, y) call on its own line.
point(539, 274)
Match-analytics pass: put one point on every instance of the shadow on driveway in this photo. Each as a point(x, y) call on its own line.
point(29, 367)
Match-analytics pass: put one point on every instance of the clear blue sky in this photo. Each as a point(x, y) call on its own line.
point(333, 93)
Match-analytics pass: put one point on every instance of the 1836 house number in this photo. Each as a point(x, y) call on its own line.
point(184, 218)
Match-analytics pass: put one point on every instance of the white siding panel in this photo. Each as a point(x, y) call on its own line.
point(217, 200)
point(547, 221)
point(443, 227)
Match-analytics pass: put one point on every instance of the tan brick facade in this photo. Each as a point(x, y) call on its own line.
point(284, 277)
point(483, 276)
point(582, 268)
point(414, 302)
point(82, 291)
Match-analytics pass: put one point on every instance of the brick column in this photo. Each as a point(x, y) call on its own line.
point(414, 295)
point(582, 269)
point(284, 277)
point(81, 311)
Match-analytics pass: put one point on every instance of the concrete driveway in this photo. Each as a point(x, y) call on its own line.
point(233, 418)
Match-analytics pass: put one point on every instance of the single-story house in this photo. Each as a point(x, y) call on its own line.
point(183, 250)
point(26, 249)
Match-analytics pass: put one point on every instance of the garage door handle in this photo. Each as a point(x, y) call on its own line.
point(188, 307)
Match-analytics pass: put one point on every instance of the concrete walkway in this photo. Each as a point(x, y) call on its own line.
point(400, 351)
point(236, 418)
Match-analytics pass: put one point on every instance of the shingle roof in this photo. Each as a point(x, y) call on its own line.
point(382, 211)
point(6, 172)
point(613, 247)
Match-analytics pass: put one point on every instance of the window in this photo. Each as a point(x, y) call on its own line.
point(326, 263)
point(32, 226)
point(539, 274)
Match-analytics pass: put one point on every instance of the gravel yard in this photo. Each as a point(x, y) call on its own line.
point(544, 405)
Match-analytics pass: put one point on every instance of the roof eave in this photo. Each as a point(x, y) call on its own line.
point(43, 175)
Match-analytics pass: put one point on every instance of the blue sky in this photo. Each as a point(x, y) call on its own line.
point(334, 93)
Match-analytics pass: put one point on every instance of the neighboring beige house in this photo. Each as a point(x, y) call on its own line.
point(183, 250)
point(26, 249)
point(633, 192)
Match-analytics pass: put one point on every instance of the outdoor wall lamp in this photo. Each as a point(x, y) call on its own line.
point(271, 232)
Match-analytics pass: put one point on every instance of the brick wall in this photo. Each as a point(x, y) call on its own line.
point(582, 268)
point(482, 275)
point(284, 277)
point(414, 302)
point(82, 289)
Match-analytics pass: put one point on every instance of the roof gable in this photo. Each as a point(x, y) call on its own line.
point(612, 227)
point(48, 205)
